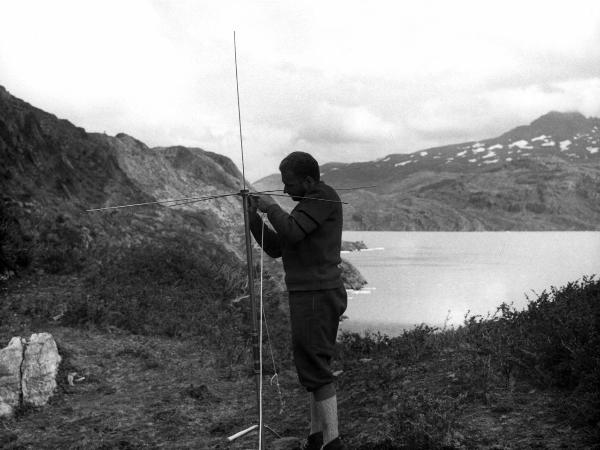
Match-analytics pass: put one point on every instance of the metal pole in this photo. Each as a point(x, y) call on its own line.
point(255, 343)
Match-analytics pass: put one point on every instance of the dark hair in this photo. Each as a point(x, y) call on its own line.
point(301, 164)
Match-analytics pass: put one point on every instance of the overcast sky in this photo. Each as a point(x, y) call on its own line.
point(345, 80)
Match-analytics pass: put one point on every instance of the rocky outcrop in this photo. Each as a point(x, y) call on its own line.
point(11, 360)
point(349, 246)
point(351, 277)
point(40, 367)
point(28, 370)
point(53, 171)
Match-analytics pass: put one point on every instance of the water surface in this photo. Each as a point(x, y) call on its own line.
point(437, 277)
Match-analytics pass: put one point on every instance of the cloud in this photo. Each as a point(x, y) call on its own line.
point(342, 79)
point(333, 124)
point(529, 102)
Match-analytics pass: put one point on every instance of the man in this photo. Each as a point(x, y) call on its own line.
point(309, 241)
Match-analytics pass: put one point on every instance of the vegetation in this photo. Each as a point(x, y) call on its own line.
point(131, 317)
point(552, 347)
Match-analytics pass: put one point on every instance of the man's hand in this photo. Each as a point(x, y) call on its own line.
point(261, 202)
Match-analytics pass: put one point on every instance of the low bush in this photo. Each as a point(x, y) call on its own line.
point(554, 342)
point(175, 288)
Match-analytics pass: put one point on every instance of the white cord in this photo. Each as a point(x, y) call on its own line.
point(275, 377)
point(260, 340)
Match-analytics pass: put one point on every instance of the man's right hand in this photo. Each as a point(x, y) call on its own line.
point(252, 204)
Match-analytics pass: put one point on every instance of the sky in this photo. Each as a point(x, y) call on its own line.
point(344, 80)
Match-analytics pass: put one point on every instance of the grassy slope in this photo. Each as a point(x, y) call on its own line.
point(478, 386)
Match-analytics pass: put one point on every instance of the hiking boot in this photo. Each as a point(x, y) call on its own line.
point(336, 444)
point(313, 442)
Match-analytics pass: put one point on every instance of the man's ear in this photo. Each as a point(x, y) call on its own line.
point(310, 180)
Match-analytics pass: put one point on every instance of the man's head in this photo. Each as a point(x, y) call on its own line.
point(299, 173)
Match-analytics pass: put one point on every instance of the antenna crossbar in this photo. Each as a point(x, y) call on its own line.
point(157, 202)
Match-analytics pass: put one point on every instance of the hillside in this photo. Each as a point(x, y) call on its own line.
point(52, 171)
point(542, 176)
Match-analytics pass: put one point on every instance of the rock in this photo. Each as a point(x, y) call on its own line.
point(353, 246)
point(351, 277)
point(11, 359)
point(40, 367)
point(28, 372)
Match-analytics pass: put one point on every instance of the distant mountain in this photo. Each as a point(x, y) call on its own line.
point(542, 176)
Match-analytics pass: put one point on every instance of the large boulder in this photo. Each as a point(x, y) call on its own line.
point(11, 359)
point(28, 370)
point(40, 367)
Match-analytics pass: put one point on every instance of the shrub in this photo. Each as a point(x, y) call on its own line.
point(554, 342)
point(178, 289)
point(14, 244)
point(423, 420)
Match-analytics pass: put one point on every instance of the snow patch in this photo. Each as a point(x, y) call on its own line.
point(472, 160)
point(386, 159)
point(403, 163)
point(355, 292)
point(489, 155)
point(495, 147)
point(463, 153)
point(423, 153)
point(564, 145)
point(491, 161)
point(521, 144)
point(477, 145)
point(592, 149)
point(508, 159)
point(478, 150)
point(548, 144)
point(543, 137)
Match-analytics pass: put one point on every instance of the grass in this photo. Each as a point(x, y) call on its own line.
point(427, 378)
point(159, 336)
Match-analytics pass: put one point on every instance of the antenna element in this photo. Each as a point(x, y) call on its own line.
point(237, 88)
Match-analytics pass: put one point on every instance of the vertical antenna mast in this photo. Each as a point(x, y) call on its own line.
point(257, 344)
point(237, 87)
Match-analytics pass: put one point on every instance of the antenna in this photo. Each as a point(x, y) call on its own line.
point(245, 195)
point(256, 339)
point(237, 89)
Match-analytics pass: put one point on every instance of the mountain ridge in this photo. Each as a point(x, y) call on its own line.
point(541, 176)
point(53, 171)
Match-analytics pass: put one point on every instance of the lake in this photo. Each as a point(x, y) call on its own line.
point(437, 277)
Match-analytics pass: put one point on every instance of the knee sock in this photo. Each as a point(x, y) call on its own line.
point(315, 420)
point(326, 410)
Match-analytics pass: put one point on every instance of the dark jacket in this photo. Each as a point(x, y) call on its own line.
point(308, 240)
